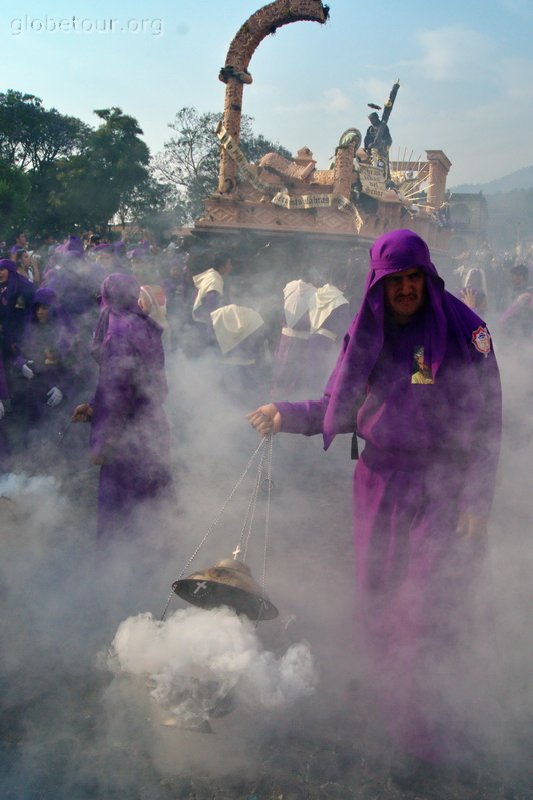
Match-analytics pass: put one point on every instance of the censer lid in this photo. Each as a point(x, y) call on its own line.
point(227, 583)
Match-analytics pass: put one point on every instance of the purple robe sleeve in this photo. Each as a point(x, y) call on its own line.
point(211, 301)
point(307, 417)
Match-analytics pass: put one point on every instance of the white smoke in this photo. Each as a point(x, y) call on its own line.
point(195, 658)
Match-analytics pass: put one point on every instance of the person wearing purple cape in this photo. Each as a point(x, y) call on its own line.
point(129, 429)
point(291, 359)
point(417, 380)
point(330, 318)
point(5, 450)
point(242, 345)
point(210, 295)
point(16, 294)
point(46, 362)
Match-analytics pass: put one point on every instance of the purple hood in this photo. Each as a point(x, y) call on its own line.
point(448, 324)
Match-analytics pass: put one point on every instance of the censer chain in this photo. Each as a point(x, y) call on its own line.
point(220, 513)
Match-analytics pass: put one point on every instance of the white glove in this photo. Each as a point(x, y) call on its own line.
point(55, 396)
point(2, 410)
point(26, 371)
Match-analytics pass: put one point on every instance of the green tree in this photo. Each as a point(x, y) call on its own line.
point(189, 161)
point(14, 190)
point(106, 177)
point(32, 137)
point(33, 140)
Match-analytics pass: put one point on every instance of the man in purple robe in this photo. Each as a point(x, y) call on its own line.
point(422, 491)
point(129, 429)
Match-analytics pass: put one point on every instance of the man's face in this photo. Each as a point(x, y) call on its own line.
point(41, 313)
point(3, 275)
point(405, 293)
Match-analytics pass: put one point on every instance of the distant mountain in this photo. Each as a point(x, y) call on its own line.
point(521, 179)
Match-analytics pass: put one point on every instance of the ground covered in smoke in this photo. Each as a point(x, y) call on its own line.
point(77, 725)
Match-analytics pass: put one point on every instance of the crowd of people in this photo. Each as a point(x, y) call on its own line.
point(90, 328)
point(51, 302)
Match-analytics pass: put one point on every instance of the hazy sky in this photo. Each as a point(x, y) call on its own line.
point(466, 71)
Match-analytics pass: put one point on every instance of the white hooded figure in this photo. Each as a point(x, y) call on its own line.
point(242, 346)
point(153, 301)
point(291, 358)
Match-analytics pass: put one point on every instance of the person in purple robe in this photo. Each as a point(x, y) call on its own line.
point(417, 380)
point(45, 359)
point(291, 359)
point(5, 450)
point(330, 318)
point(76, 279)
point(129, 429)
point(16, 294)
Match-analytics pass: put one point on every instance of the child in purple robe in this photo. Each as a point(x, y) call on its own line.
point(422, 489)
point(129, 429)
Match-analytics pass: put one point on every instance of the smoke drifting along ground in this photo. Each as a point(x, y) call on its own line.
point(83, 721)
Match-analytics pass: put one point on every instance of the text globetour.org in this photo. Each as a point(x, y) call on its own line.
point(46, 24)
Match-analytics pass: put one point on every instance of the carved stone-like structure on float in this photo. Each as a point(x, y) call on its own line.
point(360, 197)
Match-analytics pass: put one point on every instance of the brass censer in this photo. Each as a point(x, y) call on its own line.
point(230, 582)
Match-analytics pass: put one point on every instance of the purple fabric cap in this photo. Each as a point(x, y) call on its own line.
point(398, 250)
point(120, 292)
point(73, 247)
point(45, 296)
point(138, 253)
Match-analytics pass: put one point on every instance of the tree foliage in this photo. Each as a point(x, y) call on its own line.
point(32, 137)
point(106, 176)
point(58, 174)
point(14, 190)
point(189, 161)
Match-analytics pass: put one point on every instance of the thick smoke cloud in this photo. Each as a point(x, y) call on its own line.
point(196, 658)
point(89, 675)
